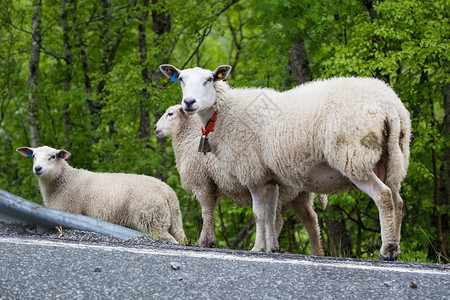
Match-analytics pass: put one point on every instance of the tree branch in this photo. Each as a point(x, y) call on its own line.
point(43, 50)
point(100, 18)
point(227, 6)
point(222, 224)
point(356, 221)
point(206, 32)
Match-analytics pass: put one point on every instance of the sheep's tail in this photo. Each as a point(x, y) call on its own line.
point(398, 131)
point(176, 226)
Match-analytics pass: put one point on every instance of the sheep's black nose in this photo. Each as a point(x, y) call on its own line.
point(37, 168)
point(189, 101)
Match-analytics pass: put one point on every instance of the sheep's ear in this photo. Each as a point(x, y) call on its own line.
point(221, 73)
point(170, 71)
point(25, 151)
point(63, 154)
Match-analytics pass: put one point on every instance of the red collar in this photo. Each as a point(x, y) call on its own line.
point(210, 125)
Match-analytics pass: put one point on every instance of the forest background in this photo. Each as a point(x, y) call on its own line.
point(83, 76)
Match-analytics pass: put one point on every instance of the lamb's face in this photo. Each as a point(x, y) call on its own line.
point(169, 123)
point(46, 161)
point(197, 85)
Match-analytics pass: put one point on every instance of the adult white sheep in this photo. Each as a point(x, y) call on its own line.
point(325, 137)
point(201, 175)
point(140, 202)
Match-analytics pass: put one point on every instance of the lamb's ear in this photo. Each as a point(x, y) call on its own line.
point(180, 108)
point(169, 70)
point(25, 151)
point(64, 154)
point(221, 73)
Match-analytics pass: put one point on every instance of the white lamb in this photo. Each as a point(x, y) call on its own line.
point(139, 202)
point(201, 175)
point(324, 137)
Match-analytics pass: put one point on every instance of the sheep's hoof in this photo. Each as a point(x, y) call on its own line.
point(391, 253)
point(258, 249)
point(206, 243)
point(275, 248)
point(318, 252)
point(387, 257)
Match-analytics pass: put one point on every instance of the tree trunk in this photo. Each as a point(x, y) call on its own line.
point(438, 245)
point(359, 232)
point(298, 64)
point(92, 105)
point(144, 122)
point(368, 5)
point(341, 244)
point(110, 40)
point(444, 191)
point(68, 58)
point(298, 69)
point(162, 23)
point(33, 106)
point(161, 26)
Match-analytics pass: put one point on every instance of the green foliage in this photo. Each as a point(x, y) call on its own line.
point(99, 115)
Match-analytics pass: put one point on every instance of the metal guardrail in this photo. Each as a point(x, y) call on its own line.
point(14, 209)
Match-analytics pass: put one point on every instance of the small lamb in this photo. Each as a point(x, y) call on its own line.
point(139, 202)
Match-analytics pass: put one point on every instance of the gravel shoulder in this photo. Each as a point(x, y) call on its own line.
point(72, 235)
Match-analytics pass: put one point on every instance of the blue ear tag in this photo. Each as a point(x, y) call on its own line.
point(174, 77)
point(30, 154)
point(61, 154)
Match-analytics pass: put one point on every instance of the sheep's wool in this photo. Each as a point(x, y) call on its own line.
point(201, 175)
point(139, 202)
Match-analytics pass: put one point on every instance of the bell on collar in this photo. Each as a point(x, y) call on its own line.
point(204, 145)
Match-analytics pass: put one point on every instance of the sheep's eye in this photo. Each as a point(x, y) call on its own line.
point(169, 114)
point(208, 80)
point(180, 79)
point(52, 157)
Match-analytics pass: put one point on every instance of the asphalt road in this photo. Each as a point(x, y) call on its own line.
point(51, 269)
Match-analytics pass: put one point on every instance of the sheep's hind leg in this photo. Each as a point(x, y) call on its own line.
point(382, 196)
point(257, 192)
point(398, 206)
point(155, 221)
point(270, 207)
point(303, 208)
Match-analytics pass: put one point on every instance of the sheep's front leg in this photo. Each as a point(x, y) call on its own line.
point(270, 217)
point(382, 195)
point(207, 236)
point(257, 192)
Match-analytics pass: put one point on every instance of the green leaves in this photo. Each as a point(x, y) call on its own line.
point(100, 115)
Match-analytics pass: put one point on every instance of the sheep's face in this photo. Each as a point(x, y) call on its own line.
point(197, 85)
point(169, 123)
point(46, 160)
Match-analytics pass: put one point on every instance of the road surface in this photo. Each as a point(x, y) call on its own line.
point(53, 269)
